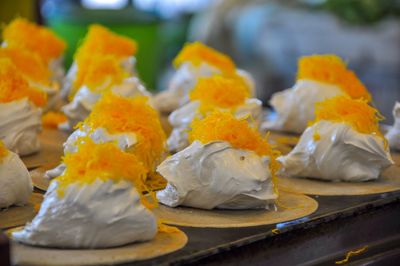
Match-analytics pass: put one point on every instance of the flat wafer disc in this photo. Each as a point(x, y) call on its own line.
point(38, 177)
point(20, 215)
point(295, 206)
point(51, 150)
point(388, 181)
point(162, 244)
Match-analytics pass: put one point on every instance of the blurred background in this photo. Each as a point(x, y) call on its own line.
point(264, 37)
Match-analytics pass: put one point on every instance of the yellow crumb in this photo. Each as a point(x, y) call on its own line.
point(357, 113)
point(32, 37)
point(98, 73)
point(14, 87)
point(53, 119)
point(219, 91)
point(331, 69)
point(29, 64)
point(351, 254)
point(119, 114)
point(100, 40)
point(105, 162)
point(198, 53)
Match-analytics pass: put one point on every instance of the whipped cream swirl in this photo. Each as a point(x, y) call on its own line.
point(102, 214)
point(20, 125)
point(393, 135)
point(295, 106)
point(15, 181)
point(216, 175)
point(340, 154)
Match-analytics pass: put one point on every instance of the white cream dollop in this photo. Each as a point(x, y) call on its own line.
point(216, 175)
point(15, 181)
point(295, 106)
point(393, 135)
point(84, 100)
point(20, 125)
point(99, 135)
point(341, 154)
point(184, 79)
point(98, 215)
point(181, 119)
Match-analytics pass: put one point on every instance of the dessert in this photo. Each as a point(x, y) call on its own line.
point(319, 77)
point(99, 41)
point(393, 135)
point(20, 113)
point(209, 94)
point(32, 68)
point(343, 143)
point(194, 61)
point(98, 74)
point(132, 124)
point(15, 181)
point(96, 203)
point(38, 39)
point(228, 165)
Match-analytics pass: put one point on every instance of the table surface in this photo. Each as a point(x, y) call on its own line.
point(205, 242)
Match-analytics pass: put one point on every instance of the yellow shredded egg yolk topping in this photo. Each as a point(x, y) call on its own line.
point(100, 40)
point(20, 32)
point(105, 162)
point(14, 87)
point(223, 126)
point(29, 64)
point(218, 91)
point(357, 113)
point(98, 73)
point(3, 151)
point(118, 114)
point(331, 69)
point(53, 119)
point(197, 53)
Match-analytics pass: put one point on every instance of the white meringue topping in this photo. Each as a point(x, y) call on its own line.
point(216, 175)
point(295, 106)
point(20, 125)
point(15, 181)
point(340, 154)
point(393, 135)
point(98, 215)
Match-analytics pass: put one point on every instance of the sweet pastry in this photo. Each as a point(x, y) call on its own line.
point(98, 74)
point(209, 94)
point(37, 39)
point(132, 124)
point(228, 165)
point(96, 203)
point(99, 41)
point(319, 77)
point(15, 181)
point(393, 135)
point(194, 61)
point(343, 143)
point(20, 112)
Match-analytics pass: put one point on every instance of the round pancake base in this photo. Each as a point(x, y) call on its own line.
point(51, 149)
point(162, 244)
point(290, 207)
point(388, 181)
point(20, 215)
point(38, 177)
